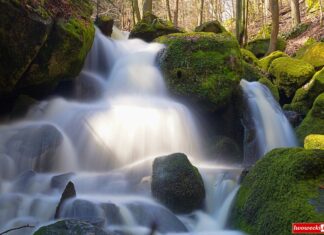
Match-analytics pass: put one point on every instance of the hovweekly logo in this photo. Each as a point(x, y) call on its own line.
point(307, 228)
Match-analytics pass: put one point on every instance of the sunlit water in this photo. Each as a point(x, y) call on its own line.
point(266, 122)
point(105, 144)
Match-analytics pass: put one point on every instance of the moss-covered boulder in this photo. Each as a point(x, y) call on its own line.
point(260, 46)
point(284, 187)
point(313, 54)
point(70, 227)
point(42, 43)
point(61, 58)
point(151, 27)
point(249, 57)
point(202, 67)
point(290, 74)
point(211, 26)
point(305, 96)
point(274, 90)
point(314, 142)
point(177, 183)
point(266, 61)
point(224, 149)
point(22, 34)
point(252, 72)
point(314, 121)
point(105, 24)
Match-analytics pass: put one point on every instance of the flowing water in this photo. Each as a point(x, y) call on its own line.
point(265, 122)
point(104, 142)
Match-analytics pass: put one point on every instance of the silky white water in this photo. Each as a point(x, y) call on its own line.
point(104, 142)
point(267, 120)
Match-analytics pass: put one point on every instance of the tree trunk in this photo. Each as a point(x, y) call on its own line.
point(246, 22)
point(147, 6)
point(295, 12)
point(176, 14)
point(201, 14)
point(274, 9)
point(239, 21)
point(168, 9)
point(321, 13)
point(136, 10)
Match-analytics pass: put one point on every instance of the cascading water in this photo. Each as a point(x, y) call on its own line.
point(105, 145)
point(267, 125)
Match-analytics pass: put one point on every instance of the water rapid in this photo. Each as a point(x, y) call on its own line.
point(265, 123)
point(104, 142)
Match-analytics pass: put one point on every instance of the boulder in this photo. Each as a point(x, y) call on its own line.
point(211, 26)
point(305, 96)
point(252, 72)
point(225, 149)
point(177, 184)
point(105, 24)
point(314, 120)
point(273, 89)
point(294, 117)
point(21, 106)
point(290, 74)
point(260, 46)
point(313, 54)
point(70, 227)
point(68, 193)
point(23, 32)
point(279, 191)
point(265, 62)
point(151, 27)
point(314, 142)
point(204, 68)
point(249, 57)
point(42, 43)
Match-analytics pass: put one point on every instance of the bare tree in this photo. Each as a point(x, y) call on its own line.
point(295, 12)
point(168, 9)
point(274, 9)
point(201, 13)
point(239, 21)
point(176, 13)
point(136, 10)
point(147, 6)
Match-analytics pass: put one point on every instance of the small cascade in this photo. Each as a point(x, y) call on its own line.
point(265, 123)
point(104, 141)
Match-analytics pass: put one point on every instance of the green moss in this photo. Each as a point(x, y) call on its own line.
point(314, 121)
point(271, 87)
point(313, 54)
point(305, 96)
point(290, 74)
point(211, 26)
point(314, 142)
point(266, 61)
point(282, 188)
point(252, 72)
point(204, 67)
point(259, 47)
point(264, 32)
point(151, 27)
point(62, 56)
point(249, 57)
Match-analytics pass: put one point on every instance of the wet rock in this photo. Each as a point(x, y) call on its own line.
point(177, 183)
point(112, 214)
point(70, 227)
point(32, 146)
point(21, 106)
point(293, 117)
point(163, 219)
point(80, 209)
point(68, 193)
point(59, 181)
point(105, 24)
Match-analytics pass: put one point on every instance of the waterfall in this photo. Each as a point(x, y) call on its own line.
point(265, 122)
point(104, 141)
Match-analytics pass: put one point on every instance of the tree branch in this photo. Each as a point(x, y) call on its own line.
point(12, 229)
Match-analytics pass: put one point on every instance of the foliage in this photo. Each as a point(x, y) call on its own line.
point(282, 188)
point(296, 31)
